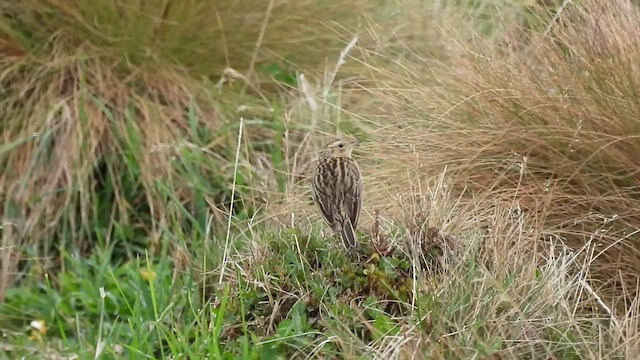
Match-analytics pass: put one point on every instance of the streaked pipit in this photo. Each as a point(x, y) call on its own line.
point(337, 189)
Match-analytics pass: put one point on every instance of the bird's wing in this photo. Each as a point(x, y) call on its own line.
point(324, 203)
point(353, 200)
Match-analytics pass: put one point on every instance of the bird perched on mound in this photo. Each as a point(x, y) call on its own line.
point(337, 189)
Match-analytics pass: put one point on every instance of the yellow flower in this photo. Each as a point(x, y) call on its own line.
point(38, 329)
point(148, 275)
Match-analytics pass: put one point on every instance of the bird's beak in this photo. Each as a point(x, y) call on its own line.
point(355, 143)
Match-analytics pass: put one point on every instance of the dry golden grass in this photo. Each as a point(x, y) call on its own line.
point(86, 83)
point(203, 37)
point(121, 112)
point(550, 127)
point(515, 147)
point(542, 120)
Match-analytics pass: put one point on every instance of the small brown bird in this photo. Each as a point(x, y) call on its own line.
point(337, 189)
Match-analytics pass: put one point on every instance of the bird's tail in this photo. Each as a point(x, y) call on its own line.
point(348, 234)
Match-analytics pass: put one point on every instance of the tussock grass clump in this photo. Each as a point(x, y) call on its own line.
point(120, 118)
point(547, 120)
point(202, 37)
point(93, 152)
point(490, 294)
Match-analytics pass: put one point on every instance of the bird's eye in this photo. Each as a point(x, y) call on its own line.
point(340, 145)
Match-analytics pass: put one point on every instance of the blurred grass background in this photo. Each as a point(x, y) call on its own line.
point(155, 204)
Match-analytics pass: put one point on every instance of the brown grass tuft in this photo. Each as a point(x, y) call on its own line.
point(543, 121)
point(88, 146)
point(118, 116)
point(550, 127)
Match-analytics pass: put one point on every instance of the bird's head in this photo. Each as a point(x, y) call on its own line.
point(339, 148)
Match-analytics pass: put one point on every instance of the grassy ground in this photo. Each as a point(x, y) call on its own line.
point(155, 201)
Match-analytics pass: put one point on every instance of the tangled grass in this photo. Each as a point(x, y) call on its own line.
point(545, 121)
point(498, 149)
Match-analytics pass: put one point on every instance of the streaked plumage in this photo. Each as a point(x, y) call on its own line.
point(337, 189)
